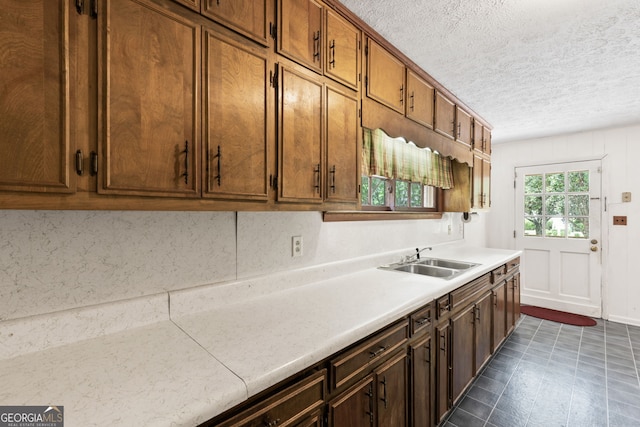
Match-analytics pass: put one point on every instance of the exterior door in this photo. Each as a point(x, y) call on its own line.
point(558, 228)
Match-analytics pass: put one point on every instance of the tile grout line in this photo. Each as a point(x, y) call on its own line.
point(606, 372)
point(574, 378)
point(633, 355)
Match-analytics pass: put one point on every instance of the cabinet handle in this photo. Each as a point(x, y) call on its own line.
point(477, 313)
point(316, 45)
point(316, 171)
point(80, 6)
point(443, 343)
point(186, 162)
point(273, 423)
point(370, 411)
point(428, 348)
point(332, 53)
point(402, 95)
point(459, 132)
point(219, 157)
point(423, 321)
point(384, 391)
point(93, 164)
point(79, 163)
point(494, 294)
point(411, 107)
point(93, 13)
point(333, 178)
point(377, 352)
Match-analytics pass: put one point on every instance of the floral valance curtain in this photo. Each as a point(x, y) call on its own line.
point(396, 158)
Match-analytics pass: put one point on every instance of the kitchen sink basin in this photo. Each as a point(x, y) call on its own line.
point(427, 270)
point(446, 263)
point(434, 267)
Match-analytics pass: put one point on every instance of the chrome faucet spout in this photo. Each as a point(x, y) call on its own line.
point(418, 251)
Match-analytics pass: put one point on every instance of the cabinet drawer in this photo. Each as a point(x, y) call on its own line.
point(443, 306)
point(421, 320)
point(353, 362)
point(463, 295)
point(498, 274)
point(512, 265)
point(287, 407)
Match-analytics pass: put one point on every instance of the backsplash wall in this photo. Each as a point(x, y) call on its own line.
point(58, 260)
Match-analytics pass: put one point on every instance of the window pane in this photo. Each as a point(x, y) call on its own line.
point(579, 181)
point(555, 227)
point(532, 184)
point(555, 205)
point(364, 194)
point(429, 196)
point(555, 182)
point(416, 195)
point(579, 228)
point(402, 194)
point(579, 205)
point(378, 192)
point(533, 226)
point(533, 205)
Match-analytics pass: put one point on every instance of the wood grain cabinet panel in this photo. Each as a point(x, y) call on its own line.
point(462, 349)
point(391, 381)
point(443, 370)
point(445, 111)
point(34, 96)
point(248, 17)
point(301, 135)
point(419, 100)
point(483, 329)
point(300, 32)
point(343, 135)
point(354, 407)
point(149, 75)
point(499, 296)
point(342, 47)
point(421, 398)
point(238, 104)
point(464, 127)
point(385, 77)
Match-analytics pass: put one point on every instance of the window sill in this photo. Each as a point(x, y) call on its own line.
point(335, 216)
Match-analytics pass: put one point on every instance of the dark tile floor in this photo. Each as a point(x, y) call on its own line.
point(550, 374)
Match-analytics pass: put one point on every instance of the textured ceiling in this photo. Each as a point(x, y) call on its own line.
point(531, 68)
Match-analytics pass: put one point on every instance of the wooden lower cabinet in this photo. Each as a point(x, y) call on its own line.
point(421, 394)
point(407, 374)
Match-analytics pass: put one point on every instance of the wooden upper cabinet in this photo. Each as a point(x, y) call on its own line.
point(419, 100)
point(300, 134)
point(34, 97)
point(486, 141)
point(481, 138)
point(385, 77)
point(238, 104)
point(192, 4)
point(342, 172)
point(463, 127)
point(300, 32)
point(248, 17)
point(149, 77)
point(342, 58)
point(445, 111)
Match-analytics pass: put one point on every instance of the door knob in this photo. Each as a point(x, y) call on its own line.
point(594, 241)
point(594, 249)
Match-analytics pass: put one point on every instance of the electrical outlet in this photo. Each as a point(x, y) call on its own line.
point(619, 220)
point(296, 246)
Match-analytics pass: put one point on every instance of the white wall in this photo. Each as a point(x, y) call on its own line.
point(620, 150)
point(57, 260)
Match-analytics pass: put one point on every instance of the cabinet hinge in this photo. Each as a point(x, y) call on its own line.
point(80, 6)
point(366, 50)
point(93, 11)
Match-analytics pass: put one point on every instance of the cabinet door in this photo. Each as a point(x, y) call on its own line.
point(385, 77)
point(443, 369)
point(462, 350)
point(486, 141)
point(342, 146)
point(444, 116)
point(300, 136)
point(391, 380)
point(463, 127)
point(300, 36)
point(238, 106)
point(486, 183)
point(34, 96)
point(421, 397)
point(482, 331)
point(149, 73)
point(354, 407)
point(477, 178)
point(342, 59)
point(477, 142)
point(499, 296)
point(513, 301)
point(248, 17)
point(419, 100)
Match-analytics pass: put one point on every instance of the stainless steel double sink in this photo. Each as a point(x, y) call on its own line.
point(434, 267)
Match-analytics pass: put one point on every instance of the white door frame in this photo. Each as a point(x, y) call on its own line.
point(600, 211)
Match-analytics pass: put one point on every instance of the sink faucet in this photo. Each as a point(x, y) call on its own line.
point(410, 258)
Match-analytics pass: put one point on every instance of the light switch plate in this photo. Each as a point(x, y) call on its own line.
point(626, 196)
